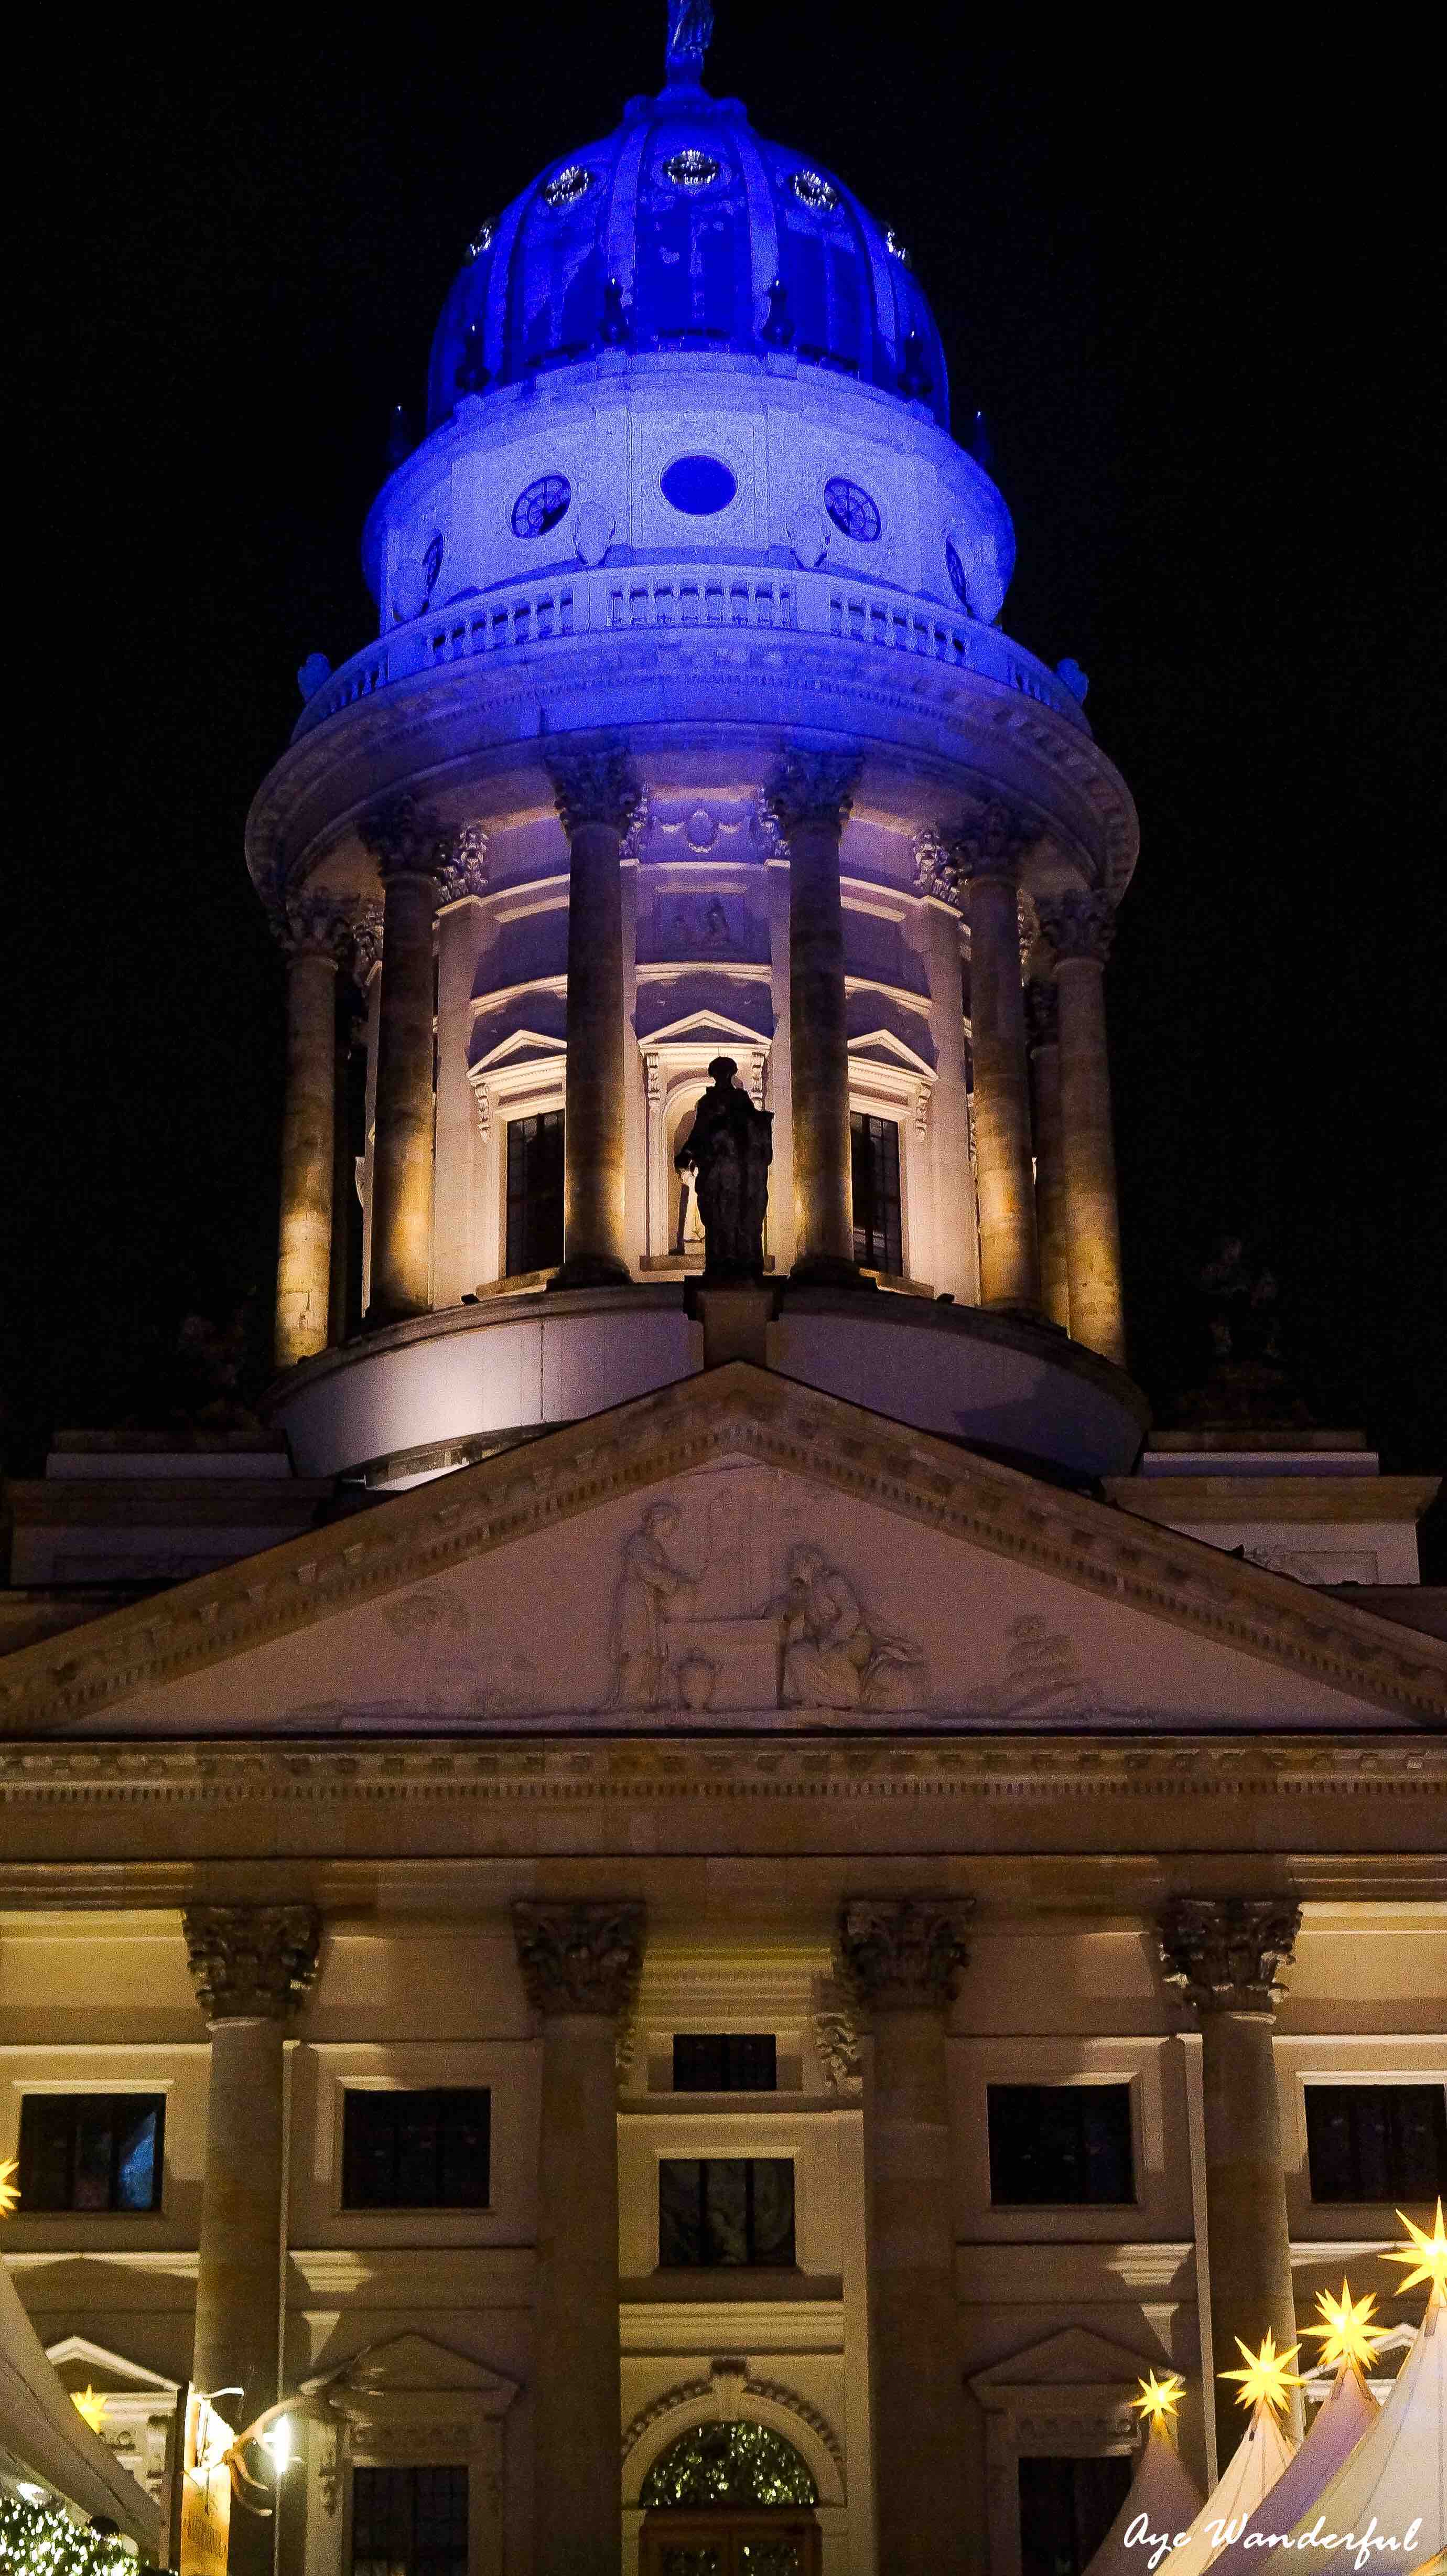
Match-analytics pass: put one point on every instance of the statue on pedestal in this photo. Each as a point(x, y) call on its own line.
point(729, 1150)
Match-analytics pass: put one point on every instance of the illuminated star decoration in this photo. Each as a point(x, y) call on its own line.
point(9, 2194)
point(1348, 2334)
point(1267, 2374)
point(1159, 2398)
point(1427, 2253)
point(91, 2407)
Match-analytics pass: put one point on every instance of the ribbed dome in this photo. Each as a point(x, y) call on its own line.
point(678, 232)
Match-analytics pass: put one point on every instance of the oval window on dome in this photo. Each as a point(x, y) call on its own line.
point(432, 559)
point(851, 509)
point(814, 191)
point(539, 506)
point(565, 188)
point(691, 169)
point(699, 485)
point(956, 571)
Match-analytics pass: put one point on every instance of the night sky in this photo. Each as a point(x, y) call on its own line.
point(1181, 286)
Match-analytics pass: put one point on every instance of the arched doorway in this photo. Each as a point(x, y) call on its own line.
point(729, 2500)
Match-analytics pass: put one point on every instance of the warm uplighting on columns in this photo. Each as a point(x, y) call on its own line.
point(1043, 1027)
point(988, 856)
point(580, 1965)
point(252, 1965)
point(905, 1955)
point(312, 931)
point(811, 798)
point(1225, 1956)
point(1077, 929)
point(597, 796)
point(410, 850)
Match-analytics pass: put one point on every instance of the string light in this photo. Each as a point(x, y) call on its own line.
point(40, 2540)
point(1268, 2374)
point(1159, 2398)
point(1428, 2253)
point(1347, 2334)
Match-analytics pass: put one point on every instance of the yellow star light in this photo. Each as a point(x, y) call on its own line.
point(1428, 2253)
point(1159, 2398)
point(1348, 2334)
point(9, 2190)
point(91, 2407)
point(1267, 2374)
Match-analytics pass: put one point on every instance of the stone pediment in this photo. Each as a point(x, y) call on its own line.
point(1075, 2358)
point(82, 2363)
point(734, 1549)
point(410, 2364)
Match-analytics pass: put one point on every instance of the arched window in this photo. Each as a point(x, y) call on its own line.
point(729, 2465)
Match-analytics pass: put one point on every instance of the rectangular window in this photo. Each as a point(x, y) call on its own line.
point(84, 2151)
point(535, 1192)
point(1053, 2145)
point(730, 2061)
point(1378, 2142)
point(1066, 2509)
point(415, 2150)
point(409, 2522)
point(716, 2210)
point(874, 1171)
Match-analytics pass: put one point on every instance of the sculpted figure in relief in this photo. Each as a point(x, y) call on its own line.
point(831, 1657)
point(650, 1587)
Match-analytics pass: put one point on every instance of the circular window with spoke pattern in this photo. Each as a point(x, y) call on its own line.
point(853, 512)
point(539, 506)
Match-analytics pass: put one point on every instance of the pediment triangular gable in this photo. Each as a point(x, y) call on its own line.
point(736, 1545)
point(408, 2362)
point(1074, 2358)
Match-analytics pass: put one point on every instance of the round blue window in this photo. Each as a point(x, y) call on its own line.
point(698, 484)
point(851, 509)
point(539, 506)
point(956, 571)
point(432, 560)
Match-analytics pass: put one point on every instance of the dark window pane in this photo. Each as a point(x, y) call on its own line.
point(423, 2150)
point(409, 2522)
point(1377, 2142)
point(1066, 2509)
point(724, 2062)
point(726, 2210)
point(680, 2210)
point(91, 2151)
point(1055, 2145)
point(874, 1172)
point(773, 2209)
point(535, 1192)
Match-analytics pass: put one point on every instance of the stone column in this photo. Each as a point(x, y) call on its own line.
point(350, 1010)
point(1078, 929)
point(811, 800)
point(410, 850)
point(252, 1964)
point(1042, 1021)
point(597, 796)
point(580, 1964)
point(989, 863)
point(904, 1956)
point(312, 930)
point(1226, 1956)
point(461, 885)
point(779, 1231)
point(957, 1260)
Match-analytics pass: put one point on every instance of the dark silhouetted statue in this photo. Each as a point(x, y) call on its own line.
point(729, 1150)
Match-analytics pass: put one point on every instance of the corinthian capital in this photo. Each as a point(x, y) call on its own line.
point(251, 1962)
point(462, 863)
point(1076, 925)
point(995, 841)
point(814, 787)
point(579, 1958)
point(405, 838)
point(936, 869)
point(905, 1950)
point(595, 787)
point(312, 925)
point(366, 943)
point(1228, 1953)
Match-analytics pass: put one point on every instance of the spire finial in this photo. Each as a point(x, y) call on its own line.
point(690, 33)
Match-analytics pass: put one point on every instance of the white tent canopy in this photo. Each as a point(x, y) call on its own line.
point(1340, 2423)
point(1263, 2451)
point(40, 2425)
point(1164, 2492)
point(1397, 2472)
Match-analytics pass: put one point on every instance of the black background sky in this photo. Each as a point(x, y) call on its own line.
point(1189, 279)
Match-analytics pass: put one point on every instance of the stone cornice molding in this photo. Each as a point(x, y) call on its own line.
point(462, 864)
point(732, 1411)
point(580, 1958)
point(405, 838)
point(1229, 1953)
point(1076, 925)
point(814, 787)
point(599, 787)
point(251, 1962)
point(903, 1952)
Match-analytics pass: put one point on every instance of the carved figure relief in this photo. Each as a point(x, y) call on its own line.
point(832, 1656)
point(651, 1586)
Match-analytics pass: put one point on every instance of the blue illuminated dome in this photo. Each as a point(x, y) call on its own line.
point(685, 230)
